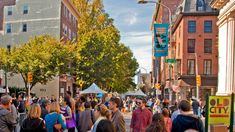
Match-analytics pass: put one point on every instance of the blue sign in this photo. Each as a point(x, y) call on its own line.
point(161, 39)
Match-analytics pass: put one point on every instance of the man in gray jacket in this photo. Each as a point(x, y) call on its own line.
point(7, 120)
point(117, 117)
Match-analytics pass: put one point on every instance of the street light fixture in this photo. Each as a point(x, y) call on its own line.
point(170, 30)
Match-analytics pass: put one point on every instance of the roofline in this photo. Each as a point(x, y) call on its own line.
point(73, 7)
point(182, 14)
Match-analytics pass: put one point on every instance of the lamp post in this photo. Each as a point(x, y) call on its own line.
point(6, 70)
point(170, 30)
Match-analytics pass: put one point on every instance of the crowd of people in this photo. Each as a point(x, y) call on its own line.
point(90, 114)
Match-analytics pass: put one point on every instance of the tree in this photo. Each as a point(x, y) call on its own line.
point(44, 56)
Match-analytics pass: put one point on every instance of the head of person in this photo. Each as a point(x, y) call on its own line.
point(105, 126)
point(67, 102)
point(46, 104)
point(68, 93)
point(87, 105)
point(35, 111)
point(165, 112)
point(157, 123)
point(6, 101)
point(102, 110)
point(141, 102)
point(54, 107)
point(184, 106)
point(114, 103)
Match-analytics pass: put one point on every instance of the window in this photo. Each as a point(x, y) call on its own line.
point(179, 49)
point(70, 35)
point(191, 26)
point(207, 67)
point(207, 26)
point(208, 46)
point(24, 27)
point(191, 45)
point(64, 10)
point(200, 5)
point(191, 67)
point(65, 29)
point(179, 31)
point(179, 66)
point(8, 28)
point(25, 9)
point(9, 11)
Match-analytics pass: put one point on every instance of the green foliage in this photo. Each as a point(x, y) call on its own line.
point(44, 56)
point(102, 59)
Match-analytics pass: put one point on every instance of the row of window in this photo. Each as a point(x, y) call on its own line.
point(207, 26)
point(67, 32)
point(191, 66)
point(207, 45)
point(9, 27)
point(207, 67)
point(25, 10)
point(69, 16)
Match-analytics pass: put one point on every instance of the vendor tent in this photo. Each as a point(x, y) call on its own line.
point(139, 93)
point(93, 89)
point(135, 93)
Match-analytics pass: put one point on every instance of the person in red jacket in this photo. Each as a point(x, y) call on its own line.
point(141, 117)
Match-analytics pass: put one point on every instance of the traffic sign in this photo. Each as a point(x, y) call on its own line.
point(157, 85)
point(198, 80)
point(30, 77)
point(170, 60)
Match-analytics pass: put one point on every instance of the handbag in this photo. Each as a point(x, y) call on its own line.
point(56, 125)
point(70, 123)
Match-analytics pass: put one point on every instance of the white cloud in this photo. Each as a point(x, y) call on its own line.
point(130, 20)
point(137, 38)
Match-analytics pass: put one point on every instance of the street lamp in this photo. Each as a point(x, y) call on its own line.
point(170, 30)
point(6, 70)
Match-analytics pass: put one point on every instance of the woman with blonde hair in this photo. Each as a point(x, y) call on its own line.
point(101, 113)
point(33, 122)
point(54, 120)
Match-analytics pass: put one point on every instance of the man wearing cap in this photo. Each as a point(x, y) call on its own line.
point(7, 120)
point(141, 117)
point(117, 117)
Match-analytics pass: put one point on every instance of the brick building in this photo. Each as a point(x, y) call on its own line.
point(21, 20)
point(195, 46)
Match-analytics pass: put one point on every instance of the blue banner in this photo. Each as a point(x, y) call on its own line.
point(161, 39)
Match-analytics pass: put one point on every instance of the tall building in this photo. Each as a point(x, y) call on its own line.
point(226, 24)
point(21, 20)
point(195, 47)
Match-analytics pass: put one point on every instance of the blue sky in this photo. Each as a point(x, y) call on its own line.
point(133, 21)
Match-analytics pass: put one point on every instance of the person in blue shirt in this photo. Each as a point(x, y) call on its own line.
point(54, 119)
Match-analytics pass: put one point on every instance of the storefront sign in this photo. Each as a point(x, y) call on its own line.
point(219, 110)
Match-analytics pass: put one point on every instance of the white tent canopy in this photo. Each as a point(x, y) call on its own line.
point(93, 89)
point(135, 93)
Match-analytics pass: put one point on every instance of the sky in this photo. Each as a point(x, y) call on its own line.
point(133, 20)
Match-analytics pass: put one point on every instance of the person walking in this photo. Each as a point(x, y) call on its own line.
point(195, 105)
point(33, 123)
point(141, 117)
point(105, 126)
point(7, 120)
point(167, 119)
point(157, 124)
point(86, 118)
point(186, 120)
point(54, 120)
point(117, 117)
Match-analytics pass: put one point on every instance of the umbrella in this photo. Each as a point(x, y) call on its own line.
point(93, 89)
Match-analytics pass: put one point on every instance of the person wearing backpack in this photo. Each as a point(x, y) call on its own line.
point(186, 120)
point(33, 123)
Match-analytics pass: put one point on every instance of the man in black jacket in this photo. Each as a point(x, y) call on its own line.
point(186, 120)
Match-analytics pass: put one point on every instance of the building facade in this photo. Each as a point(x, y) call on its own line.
point(226, 25)
point(195, 47)
point(25, 19)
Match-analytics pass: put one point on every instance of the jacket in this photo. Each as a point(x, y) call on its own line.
point(54, 118)
point(186, 122)
point(7, 120)
point(118, 121)
point(35, 125)
point(86, 120)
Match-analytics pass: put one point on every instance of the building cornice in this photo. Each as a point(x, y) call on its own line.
point(218, 4)
point(72, 7)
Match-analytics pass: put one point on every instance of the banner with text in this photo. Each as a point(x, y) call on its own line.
point(219, 110)
point(161, 39)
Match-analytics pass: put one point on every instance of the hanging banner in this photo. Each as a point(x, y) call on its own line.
point(161, 39)
point(219, 110)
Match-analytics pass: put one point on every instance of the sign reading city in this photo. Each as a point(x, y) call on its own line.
point(161, 39)
point(219, 110)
